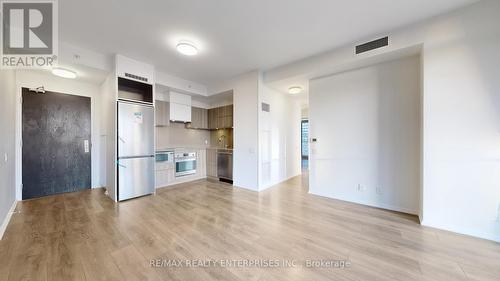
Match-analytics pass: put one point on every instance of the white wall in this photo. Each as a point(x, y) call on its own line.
point(367, 123)
point(461, 124)
point(279, 133)
point(33, 79)
point(305, 113)
point(7, 146)
point(108, 92)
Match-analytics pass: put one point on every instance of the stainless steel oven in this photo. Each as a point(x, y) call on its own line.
point(166, 156)
point(185, 163)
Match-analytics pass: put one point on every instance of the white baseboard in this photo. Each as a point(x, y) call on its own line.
point(463, 230)
point(371, 204)
point(6, 221)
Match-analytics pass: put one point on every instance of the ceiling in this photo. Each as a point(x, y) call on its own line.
point(303, 81)
point(234, 36)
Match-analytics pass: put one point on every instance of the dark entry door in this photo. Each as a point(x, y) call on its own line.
point(56, 143)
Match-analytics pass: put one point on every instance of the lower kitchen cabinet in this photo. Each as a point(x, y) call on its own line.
point(164, 177)
point(212, 163)
point(201, 161)
point(165, 172)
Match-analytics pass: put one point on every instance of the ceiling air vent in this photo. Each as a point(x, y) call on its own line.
point(136, 77)
point(372, 45)
point(266, 107)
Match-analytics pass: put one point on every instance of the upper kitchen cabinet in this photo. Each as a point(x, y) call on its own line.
point(134, 70)
point(199, 118)
point(226, 116)
point(130, 90)
point(180, 107)
point(213, 120)
point(220, 117)
point(162, 113)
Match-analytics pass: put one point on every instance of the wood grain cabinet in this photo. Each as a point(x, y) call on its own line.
point(199, 118)
point(211, 163)
point(212, 118)
point(220, 117)
point(162, 113)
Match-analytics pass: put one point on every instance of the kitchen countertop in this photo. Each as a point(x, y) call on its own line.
point(181, 147)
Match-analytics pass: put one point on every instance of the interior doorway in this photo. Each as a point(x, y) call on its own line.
point(304, 147)
point(56, 148)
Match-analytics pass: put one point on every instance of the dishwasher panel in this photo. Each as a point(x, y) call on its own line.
point(225, 165)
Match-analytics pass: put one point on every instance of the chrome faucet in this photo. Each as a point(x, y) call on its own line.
point(223, 138)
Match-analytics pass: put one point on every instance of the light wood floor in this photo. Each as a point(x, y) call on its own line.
point(85, 236)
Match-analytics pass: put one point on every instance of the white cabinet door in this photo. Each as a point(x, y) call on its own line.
point(161, 178)
point(180, 112)
point(170, 175)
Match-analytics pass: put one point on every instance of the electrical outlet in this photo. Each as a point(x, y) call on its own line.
point(361, 188)
point(378, 189)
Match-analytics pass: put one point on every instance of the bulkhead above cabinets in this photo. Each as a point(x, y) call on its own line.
point(135, 80)
point(134, 70)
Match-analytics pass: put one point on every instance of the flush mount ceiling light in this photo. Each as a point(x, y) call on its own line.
point(187, 48)
point(295, 90)
point(65, 73)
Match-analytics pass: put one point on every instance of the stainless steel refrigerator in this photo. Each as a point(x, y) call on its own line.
point(136, 160)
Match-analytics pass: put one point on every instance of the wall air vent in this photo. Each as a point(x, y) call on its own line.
point(372, 45)
point(136, 77)
point(266, 107)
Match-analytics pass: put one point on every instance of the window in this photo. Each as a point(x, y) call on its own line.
point(305, 138)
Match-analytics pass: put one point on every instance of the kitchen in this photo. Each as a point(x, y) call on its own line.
point(164, 132)
point(194, 137)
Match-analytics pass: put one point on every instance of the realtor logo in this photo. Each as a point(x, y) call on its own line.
point(29, 34)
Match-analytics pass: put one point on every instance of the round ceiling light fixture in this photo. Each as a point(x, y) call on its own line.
point(295, 90)
point(187, 48)
point(64, 73)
